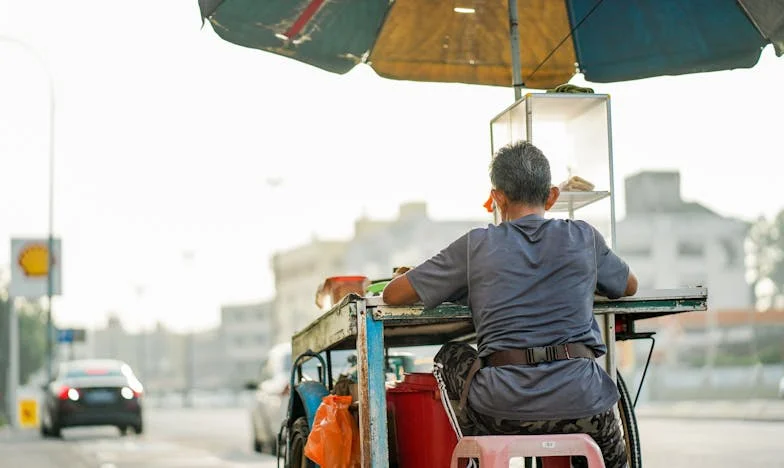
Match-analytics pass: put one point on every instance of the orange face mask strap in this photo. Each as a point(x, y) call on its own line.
point(489, 204)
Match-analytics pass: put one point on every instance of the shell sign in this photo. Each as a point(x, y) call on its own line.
point(34, 260)
point(30, 268)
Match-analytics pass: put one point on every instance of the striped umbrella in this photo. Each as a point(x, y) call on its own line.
point(527, 43)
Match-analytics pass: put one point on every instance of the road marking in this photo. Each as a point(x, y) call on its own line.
point(105, 456)
point(160, 454)
point(191, 460)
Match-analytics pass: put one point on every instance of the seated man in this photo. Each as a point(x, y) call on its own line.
point(530, 284)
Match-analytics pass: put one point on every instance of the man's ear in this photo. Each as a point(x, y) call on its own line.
point(552, 197)
point(500, 199)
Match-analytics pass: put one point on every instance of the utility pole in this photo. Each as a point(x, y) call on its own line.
point(13, 325)
point(189, 369)
point(141, 342)
point(50, 269)
point(187, 257)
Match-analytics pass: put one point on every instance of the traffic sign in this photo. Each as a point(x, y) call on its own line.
point(28, 413)
point(71, 335)
point(64, 336)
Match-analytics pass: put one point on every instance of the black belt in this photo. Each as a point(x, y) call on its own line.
point(526, 356)
point(533, 356)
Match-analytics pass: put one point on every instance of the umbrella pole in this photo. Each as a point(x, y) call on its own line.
point(514, 37)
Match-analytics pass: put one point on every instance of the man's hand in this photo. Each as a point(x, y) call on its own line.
point(400, 271)
point(631, 285)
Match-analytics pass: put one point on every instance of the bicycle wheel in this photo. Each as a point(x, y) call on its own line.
point(631, 433)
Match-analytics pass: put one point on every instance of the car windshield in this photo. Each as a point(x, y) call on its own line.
point(90, 372)
point(94, 368)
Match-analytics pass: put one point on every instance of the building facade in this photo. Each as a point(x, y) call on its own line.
point(247, 332)
point(376, 248)
point(163, 360)
point(380, 246)
point(298, 274)
point(672, 243)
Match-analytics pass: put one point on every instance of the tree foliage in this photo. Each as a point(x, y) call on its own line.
point(766, 261)
point(32, 340)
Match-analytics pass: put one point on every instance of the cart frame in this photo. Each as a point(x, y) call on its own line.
point(370, 327)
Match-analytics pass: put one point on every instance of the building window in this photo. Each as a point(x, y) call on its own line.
point(636, 251)
point(690, 249)
point(731, 252)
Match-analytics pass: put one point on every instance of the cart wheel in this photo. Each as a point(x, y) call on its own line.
point(629, 422)
point(299, 436)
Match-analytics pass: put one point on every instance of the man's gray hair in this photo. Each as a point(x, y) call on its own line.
point(522, 172)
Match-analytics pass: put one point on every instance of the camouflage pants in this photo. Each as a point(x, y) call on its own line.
point(604, 428)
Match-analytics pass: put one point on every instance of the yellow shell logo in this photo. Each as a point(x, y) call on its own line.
point(34, 260)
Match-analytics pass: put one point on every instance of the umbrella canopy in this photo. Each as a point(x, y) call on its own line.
point(468, 41)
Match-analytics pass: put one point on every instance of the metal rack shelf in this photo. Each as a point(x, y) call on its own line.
point(571, 201)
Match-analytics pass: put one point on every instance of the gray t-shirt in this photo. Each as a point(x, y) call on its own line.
point(530, 282)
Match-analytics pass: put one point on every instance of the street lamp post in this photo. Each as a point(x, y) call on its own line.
point(141, 339)
point(49, 276)
point(187, 257)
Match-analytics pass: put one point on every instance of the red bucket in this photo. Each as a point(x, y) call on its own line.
point(424, 436)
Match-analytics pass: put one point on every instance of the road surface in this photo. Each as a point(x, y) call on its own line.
point(219, 438)
point(199, 438)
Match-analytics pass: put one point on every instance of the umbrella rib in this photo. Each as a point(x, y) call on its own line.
point(567, 37)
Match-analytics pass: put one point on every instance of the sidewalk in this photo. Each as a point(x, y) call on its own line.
point(751, 410)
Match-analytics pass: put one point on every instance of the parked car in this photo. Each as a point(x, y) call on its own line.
point(92, 393)
point(781, 388)
point(271, 398)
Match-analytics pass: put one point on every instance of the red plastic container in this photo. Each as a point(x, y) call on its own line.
point(423, 434)
point(335, 288)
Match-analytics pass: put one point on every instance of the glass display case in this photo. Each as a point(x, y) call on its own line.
point(574, 132)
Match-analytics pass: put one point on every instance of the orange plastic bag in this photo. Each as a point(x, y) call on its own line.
point(334, 440)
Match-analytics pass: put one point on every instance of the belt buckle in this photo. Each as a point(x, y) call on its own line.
point(536, 355)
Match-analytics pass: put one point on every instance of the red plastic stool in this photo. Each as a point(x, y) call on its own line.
point(496, 451)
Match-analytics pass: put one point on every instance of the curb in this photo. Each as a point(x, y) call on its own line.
point(708, 417)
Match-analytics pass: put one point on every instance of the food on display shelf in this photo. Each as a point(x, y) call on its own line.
point(576, 184)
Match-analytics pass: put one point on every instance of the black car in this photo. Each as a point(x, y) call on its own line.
point(92, 393)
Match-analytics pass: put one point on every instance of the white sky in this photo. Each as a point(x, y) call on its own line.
point(166, 135)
